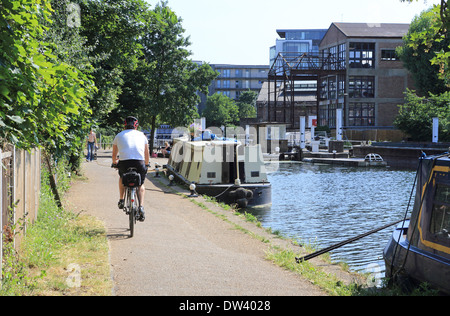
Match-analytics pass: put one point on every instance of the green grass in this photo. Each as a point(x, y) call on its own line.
point(62, 253)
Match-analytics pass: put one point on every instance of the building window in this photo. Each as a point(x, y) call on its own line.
point(341, 86)
point(361, 87)
point(238, 73)
point(225, 73)
point(218, 84)
point(361, 114)
point(332, 88)
point(323, 114)
point(323, 85)
point(226, 84)
point(342, 56)
point(332, 115)
point(389, 55)
point(362, 55)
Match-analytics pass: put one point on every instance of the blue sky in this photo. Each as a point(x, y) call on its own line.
point(242, 31)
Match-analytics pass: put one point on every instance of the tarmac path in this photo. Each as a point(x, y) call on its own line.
point(180, 249)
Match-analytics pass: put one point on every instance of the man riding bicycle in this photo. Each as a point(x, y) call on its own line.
point(131, 146)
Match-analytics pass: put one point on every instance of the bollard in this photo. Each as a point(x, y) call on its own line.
point(192, 189)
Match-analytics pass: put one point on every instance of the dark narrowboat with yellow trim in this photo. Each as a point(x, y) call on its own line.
point(419, 248)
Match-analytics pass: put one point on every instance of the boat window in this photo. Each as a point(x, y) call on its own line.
point(255, 174)
point(211, 175)
point(440, 219)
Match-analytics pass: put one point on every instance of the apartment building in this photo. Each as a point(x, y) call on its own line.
point(235, 79)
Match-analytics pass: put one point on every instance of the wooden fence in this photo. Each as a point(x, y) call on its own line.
point(20, 183)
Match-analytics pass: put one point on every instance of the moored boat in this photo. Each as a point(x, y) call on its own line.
point(420, 247)
point(222, 168)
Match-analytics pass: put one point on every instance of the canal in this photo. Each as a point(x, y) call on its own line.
point(322, 205)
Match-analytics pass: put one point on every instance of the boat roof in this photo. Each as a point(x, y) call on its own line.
point(442, 160)
point(216, 142)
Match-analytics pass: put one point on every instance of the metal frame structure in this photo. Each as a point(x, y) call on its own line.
point(293, 67)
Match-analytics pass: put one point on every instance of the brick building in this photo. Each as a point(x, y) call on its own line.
point(374, 81)
point(356, 70)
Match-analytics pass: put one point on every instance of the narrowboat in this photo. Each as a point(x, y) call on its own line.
point(225, 169)
point(419, 248)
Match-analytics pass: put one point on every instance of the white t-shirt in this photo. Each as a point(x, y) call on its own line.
point(131, 144)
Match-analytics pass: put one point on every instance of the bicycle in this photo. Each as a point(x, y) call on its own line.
point(131, 181)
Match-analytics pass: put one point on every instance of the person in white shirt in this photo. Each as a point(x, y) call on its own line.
point(130, 149)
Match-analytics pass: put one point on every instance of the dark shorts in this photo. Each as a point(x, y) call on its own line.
point(123, 166)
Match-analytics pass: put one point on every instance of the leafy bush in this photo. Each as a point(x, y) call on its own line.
point(416, 116)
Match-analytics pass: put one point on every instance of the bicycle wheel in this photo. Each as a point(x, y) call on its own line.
point(132, 210)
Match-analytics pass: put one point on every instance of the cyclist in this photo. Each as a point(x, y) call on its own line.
point(132, 147)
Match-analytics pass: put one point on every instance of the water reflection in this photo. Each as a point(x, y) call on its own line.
point(324, 205)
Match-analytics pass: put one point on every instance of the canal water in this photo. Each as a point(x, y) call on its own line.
point(322, 205)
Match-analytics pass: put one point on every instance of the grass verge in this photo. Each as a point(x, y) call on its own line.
point(62, 253)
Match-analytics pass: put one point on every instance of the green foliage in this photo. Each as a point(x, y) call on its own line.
point(416, 115)
point(417, 52)
point(221, 110)
point(65, 64)
point(112, 29)
point(434, 39)
point(165, 83)
point(247, 104)
point(43, 100)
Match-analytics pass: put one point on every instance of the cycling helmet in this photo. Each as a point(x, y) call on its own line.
point(131, 122)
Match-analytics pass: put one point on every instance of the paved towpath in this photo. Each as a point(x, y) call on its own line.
point(181, 249)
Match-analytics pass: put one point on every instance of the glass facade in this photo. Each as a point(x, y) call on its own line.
point(297, 41)
point(315, 36)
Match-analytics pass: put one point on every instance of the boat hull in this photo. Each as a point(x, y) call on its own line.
point(261, 193)
point(418, 265)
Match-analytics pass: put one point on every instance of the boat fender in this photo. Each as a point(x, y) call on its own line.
point(242, 203)
point(241, 196)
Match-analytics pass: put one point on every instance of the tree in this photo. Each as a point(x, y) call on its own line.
point(416, 114)
point(221, 110)
point(247, 104)
point(166, 83)
point(40, 95)
point(437, 33)
point(112, 29)
point(417, 56)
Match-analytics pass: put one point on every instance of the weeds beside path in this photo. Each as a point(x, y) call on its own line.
point(59, 250)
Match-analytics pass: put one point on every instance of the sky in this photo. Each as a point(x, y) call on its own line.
point(241, 32)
